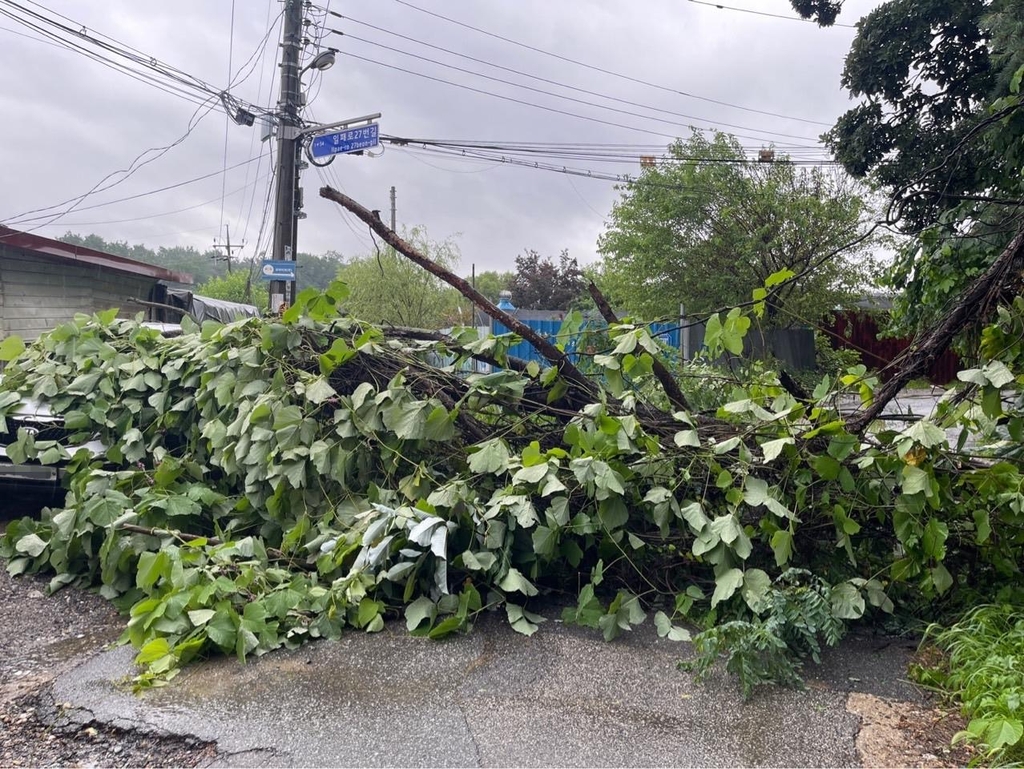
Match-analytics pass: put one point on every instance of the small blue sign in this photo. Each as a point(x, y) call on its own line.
point(278, 270)
point(349, 140)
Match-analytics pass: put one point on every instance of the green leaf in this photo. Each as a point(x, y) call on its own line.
point(319, 390)
point(847, 602)
point(478, 561)
point(934, 539)
point(151, 568)
point(544, 541)
point(667, 630)
point(782, 546)
point(756, 585)
point(521, 620)
point(926, 433)
point(153, 650)
point(514, 581)
point(726, 585)
point(772, 449)
point(490, 457)
point(10, 348)
point(200, 617)
point(916, 480)
point(420, 609)
point(687, 438)
point(31, 544)
point(941, 578)
point(999, 731)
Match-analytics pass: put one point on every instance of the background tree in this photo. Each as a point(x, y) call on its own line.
point(201, 265)
point(707, 226)
point(491, 283)
point(939, 127)
point(540, 283)
point(387, 288)
point(317, 271)
point(242, 284)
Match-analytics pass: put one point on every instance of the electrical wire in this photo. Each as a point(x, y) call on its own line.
point(574, 100)
point(126, 173)
point(166, 213)
point(595, 68)
point(537, 77)
point(252, 137)
point(635, 129)
point(159, 74)
point(766, 13)
point(227, 119)
point(131, 197)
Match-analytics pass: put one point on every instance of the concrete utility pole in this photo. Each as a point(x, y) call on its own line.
point(289, 148)
point(393, 209)
point(227, 245)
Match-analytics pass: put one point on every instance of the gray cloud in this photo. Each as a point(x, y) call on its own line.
point(69, 121)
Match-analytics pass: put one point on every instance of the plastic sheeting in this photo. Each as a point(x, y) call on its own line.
point(202, 308)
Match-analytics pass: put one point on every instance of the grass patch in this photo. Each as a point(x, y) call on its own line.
point(983, 667)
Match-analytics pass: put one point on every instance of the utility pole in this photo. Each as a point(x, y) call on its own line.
point(289, 147)
point(393, 209)
point(227, 245)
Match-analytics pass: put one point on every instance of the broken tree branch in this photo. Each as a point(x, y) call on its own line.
point(550, 353)
point(922, 354)
point(405, 332)
point(185, 537)
point(668, 383)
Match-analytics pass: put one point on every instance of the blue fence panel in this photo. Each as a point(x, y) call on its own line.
point(667, 333)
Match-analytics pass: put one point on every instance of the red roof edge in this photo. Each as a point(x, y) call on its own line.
point(66, 252)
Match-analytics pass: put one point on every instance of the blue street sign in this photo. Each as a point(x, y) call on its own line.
point(349, 140)
point(278, 270)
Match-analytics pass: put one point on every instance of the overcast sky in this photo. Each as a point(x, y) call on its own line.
point(70, 121)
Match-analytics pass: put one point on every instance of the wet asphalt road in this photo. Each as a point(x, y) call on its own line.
point(563, 697)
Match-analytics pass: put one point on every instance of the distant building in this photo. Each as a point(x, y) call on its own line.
point(45, 282)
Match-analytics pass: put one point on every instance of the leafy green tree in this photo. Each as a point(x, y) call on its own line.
point(707, 226)
point(315, 271)
point(541, 283)
point(201, 265)
point(240, 285)
point(388, 288)
point(491, 283)
point(939, 126)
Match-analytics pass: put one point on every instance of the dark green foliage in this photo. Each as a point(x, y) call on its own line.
point(541, 283)
point(273, 480)
point(984, 668)
point(705, 229)
point(790, 622)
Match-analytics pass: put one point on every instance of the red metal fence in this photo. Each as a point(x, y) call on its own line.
point(859, 331)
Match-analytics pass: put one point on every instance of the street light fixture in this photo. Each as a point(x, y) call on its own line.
point(322, 61)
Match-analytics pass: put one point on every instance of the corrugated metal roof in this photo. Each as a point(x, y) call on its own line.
point(65, 252)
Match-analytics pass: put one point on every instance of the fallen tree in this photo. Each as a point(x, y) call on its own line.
point(274, 480)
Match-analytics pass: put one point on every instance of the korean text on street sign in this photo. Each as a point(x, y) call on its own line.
point(349, 140)
point(277, 270)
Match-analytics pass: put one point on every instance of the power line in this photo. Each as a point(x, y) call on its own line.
point(540, 78)
point(164, 213)
point(573, 99)
point(252, 138)
point(515, 100)
point(591, 152)
point(173, 80)
point(592, 67)
point(766, 13)
point(227, 123)
point(25, 218)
